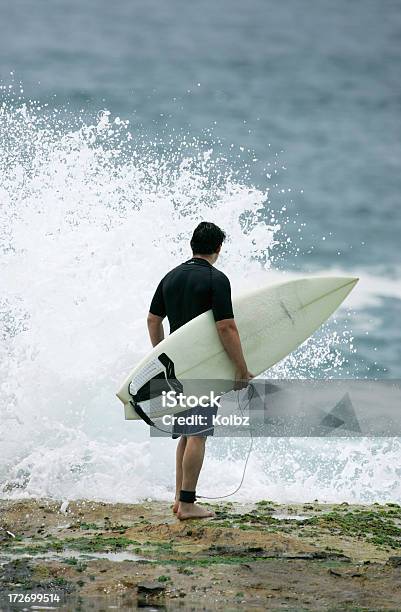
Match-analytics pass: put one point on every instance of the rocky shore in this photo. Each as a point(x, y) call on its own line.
point(265, 556)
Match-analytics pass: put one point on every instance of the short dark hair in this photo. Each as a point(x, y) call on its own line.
point(207, 238)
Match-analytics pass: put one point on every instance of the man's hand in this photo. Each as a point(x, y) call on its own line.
point(242, 378)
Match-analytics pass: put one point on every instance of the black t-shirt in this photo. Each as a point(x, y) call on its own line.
point(190, 289)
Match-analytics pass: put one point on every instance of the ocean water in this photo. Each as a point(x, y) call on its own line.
point(121, 127)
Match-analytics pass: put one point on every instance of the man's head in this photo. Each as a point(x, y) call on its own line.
point(207, 240)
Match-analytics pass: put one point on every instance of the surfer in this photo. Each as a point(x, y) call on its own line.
point(187, 291)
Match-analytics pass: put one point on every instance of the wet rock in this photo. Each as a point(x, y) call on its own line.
point(150, 588)
point(259, 551)
point(6, 535)
point(319, 554)
point(394, 561)
point(16, 572)
point(23, 574)
point(238, 551)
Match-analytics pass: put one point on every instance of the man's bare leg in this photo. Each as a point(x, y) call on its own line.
point(191, 467)
point(178, 469)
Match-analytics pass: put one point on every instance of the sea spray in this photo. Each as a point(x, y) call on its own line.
point(92, 215)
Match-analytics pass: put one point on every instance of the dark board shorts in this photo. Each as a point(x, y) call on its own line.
point(204, 426)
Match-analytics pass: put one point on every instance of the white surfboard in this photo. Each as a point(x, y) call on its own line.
point(272, 321)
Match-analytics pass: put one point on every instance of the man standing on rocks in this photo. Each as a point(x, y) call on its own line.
point(187, 291)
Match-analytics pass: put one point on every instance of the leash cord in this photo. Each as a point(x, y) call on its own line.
point(246, 460)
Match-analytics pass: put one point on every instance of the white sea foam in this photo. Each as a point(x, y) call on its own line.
point(91, 218)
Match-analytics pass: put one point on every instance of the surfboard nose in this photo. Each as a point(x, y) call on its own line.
point(352, 279)
point(340, 280)
point(322, 295)
point(322, 285)
point(347, 283)
point(348, 280)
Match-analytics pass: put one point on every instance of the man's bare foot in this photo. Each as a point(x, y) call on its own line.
point(192, 511)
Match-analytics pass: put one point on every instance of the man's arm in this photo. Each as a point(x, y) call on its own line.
point(229, 337)
point(157, 312)
point(155, 327)
point(227, 329)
